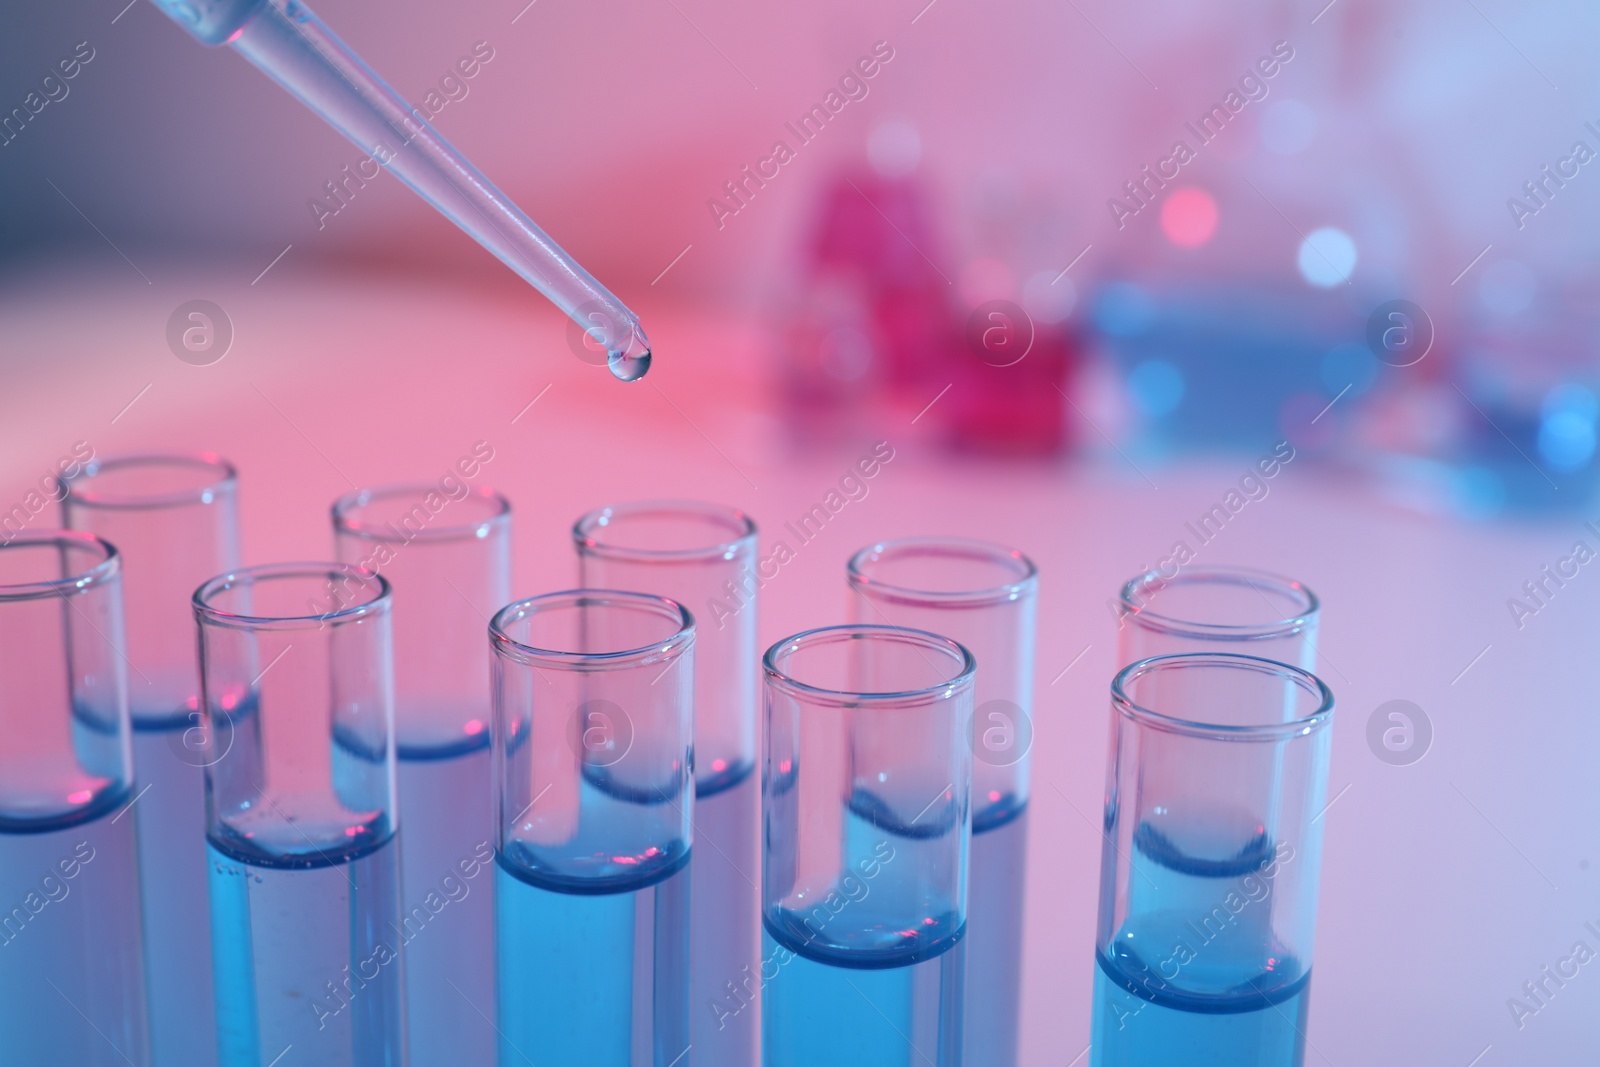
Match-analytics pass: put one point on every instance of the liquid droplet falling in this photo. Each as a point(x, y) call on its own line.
point(630, 364)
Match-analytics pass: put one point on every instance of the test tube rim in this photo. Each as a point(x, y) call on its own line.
point(79, 496)
point(587, 544)
point(1305, 725)
point(1026, 585)
point(1207, 631)
point(783, 681)
point(459, 531)
point(672, 647)
point(209, 615)
point(108, 569)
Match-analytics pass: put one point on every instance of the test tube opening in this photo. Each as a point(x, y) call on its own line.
point(50, 563)
point(663, 531)
point(151, 481)
point(1219, 604)
point(447, 510)
point(942, 571)
point(1224, 696)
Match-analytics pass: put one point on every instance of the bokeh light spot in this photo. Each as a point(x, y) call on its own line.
point(1189, 217)
point(1156, 388)
point(1477, 493)
point(1567, 429)
point(1327, 256)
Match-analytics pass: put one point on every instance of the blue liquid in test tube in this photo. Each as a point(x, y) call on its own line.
point(984, 596)
point(301, 828)
point(446, 547)
point(72, 987)
point(593, 772)
point(704, 555)
point(1247, 1010)
point(579, 957)
point(1210, 863)
point(867, 818)
point(174, 519)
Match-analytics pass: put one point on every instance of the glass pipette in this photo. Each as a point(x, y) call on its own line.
point(295, 49)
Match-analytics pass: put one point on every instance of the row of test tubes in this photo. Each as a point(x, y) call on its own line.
point(609, 856)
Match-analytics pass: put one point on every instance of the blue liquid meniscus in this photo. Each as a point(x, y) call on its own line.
point(1192, 980)
point(871, 976)
point(308, 958)
point(592, 967)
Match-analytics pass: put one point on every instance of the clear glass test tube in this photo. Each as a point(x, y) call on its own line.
point(1217, 609)
point(174, 519)
point(984, 596)
point(866, 809)
point(72, 987)
point(300, 815)
point(446, 549)
point(593, 773)
point(704, 556)
point(1210, 862)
